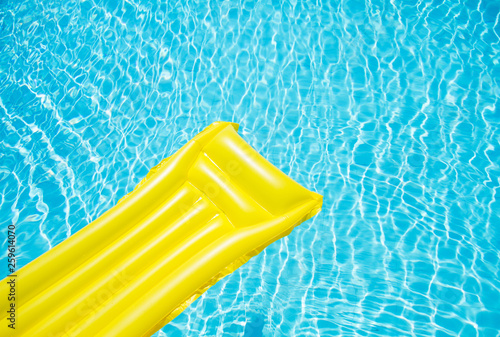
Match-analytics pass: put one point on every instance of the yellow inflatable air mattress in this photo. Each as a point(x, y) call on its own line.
point(195, 218)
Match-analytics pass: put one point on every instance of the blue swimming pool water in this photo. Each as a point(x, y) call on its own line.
point(390, 109)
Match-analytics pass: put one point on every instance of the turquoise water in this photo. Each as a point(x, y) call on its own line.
point(390, 109)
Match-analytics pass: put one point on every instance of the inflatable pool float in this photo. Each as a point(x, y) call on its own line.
point(196, 217)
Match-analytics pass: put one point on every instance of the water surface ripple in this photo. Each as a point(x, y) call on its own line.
point(389, 109)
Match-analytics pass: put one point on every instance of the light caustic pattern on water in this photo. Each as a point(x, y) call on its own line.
point(389, 109)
